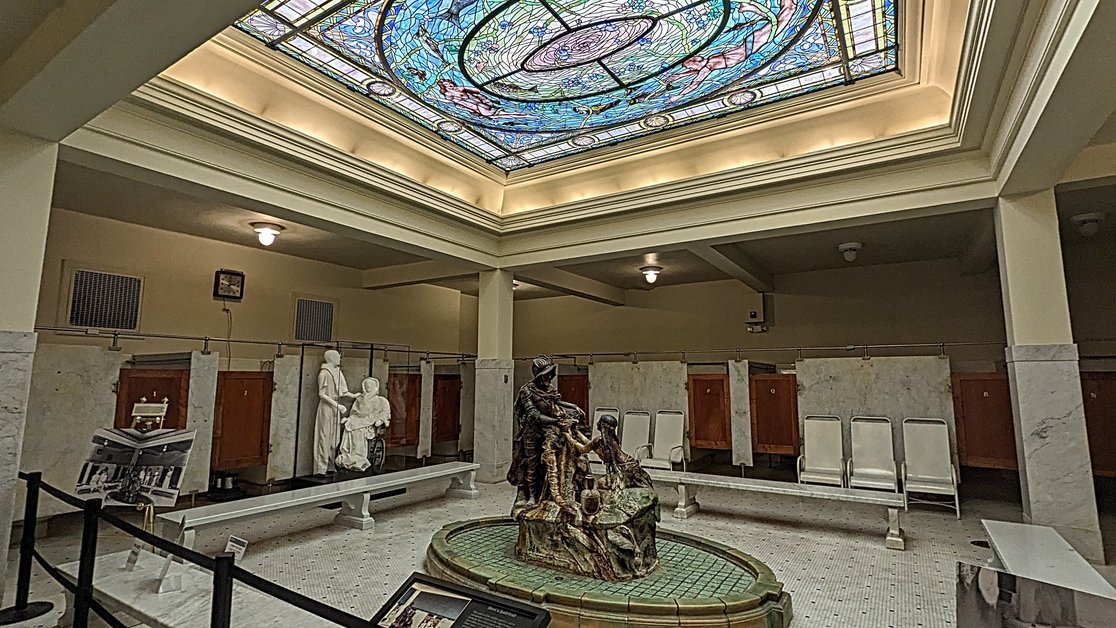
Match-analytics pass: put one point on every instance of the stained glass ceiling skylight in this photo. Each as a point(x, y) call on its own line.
point(520, 82)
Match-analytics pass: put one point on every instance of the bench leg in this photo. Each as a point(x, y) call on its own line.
point(354, 513)
point(464, 486)
point(894, 538)
point(687, 502)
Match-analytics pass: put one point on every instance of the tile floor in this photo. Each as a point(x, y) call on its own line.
point(830, 556)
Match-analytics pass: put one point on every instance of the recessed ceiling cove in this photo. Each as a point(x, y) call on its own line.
point(520, 82)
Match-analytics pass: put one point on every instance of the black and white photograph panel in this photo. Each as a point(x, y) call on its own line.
point(126, 467)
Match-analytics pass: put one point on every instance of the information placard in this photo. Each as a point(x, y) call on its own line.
point(427, 602)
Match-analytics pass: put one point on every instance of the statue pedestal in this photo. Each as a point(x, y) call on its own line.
point(616, 544)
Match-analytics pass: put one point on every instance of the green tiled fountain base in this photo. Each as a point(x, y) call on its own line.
point(698, 583)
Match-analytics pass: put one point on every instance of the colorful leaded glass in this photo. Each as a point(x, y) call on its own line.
point(519, 82)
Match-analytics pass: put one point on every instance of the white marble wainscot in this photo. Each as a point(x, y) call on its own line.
point(468, 405)
point(426, 409)
point(893, 387)
point(740, 397)
point(1052, 444)
point(72, 394)
point(310, 364)
point(200, 407)
point(284, 419)
point(17, 353)
point(380, 370)
point(649, 386)
point(493, 418)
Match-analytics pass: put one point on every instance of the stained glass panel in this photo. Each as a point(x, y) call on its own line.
point(520, 82)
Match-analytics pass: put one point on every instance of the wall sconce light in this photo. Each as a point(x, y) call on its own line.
point(651, 273)
point(266, 232)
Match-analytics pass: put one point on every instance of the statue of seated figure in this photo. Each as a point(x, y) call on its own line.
point(370, 414)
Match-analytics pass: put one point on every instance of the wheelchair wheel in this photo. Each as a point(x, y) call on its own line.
point(377, 453)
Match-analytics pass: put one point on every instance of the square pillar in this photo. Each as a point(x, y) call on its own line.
point(26, 187)
point(495, 388)
point(1052, 445)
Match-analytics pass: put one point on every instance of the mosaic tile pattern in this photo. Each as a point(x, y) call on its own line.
point(830, 556)
point(684, 571)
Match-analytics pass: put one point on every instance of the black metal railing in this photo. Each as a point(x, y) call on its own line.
point(225, 572)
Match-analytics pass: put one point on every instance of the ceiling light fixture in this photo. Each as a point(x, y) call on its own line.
point(651, 273)
point(849, 250)
point(266, 232)
point(515, 285)
point(1088, 224)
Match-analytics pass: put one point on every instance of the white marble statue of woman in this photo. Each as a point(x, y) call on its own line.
point(370, 411)
point(327, 423)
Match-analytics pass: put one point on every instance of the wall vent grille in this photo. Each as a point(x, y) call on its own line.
point(313, 320)
point(105, 300)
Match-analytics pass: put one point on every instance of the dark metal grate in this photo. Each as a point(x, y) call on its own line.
point(313, 320)
point(105, 301)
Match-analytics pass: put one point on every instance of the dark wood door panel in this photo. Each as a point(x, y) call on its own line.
point(709, 411)
point(154, 385)
point(242, 420)
point(985, 426)
point(1099, 392)
point(774, 401)
point(575, 389)
point(447, 408)
point(405, 398)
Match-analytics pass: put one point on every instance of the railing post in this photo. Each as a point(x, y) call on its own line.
point(23, 609)
point(91, 512)
point(222, 591)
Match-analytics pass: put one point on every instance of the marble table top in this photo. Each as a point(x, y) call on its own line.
point(314, 495)
point(136, 593)
point(835, 493)
point(1040, 553)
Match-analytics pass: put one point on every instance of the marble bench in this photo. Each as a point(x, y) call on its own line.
point(182, 525)
point(689, 483)
point(1040, 553)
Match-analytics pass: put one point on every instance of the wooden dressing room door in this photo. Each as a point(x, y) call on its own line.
point(774, 405)
point(1099, 391)
point(242, 419)
point(709, 411)
point(154, 385)
point(404, 393)
point(447, 408)
point(985, 427)
point(575, 389)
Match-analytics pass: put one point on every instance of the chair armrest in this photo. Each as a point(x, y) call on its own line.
point(682, 457)
point(956, 475)
point(799, 468)
point(903, 471)
point(641, 448)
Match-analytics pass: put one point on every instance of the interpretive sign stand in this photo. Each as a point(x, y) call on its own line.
point(427, 601)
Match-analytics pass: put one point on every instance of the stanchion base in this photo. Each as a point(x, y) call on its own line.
point(13, 615)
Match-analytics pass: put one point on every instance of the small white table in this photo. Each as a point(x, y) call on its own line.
point(1040, 553)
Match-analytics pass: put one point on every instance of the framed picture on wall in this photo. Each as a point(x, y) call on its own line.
point(228, 284)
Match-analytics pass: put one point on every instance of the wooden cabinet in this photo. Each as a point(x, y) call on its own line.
point(709, 411)
point(575, 389)
point(985, 426)
point(1099, 392)
point(447, 408)
point(404, 394)
point(242, 419)
point(774, 405)
point(154, 385)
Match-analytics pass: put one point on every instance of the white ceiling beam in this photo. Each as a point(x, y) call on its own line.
point(979, 255)
point(573, 284)
point(89, 54)
point(1055, 111)
point(737, 264)
point(414, 273)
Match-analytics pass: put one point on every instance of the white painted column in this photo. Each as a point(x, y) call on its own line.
point(495, 390)
point(1052, 444)
point(26, 187)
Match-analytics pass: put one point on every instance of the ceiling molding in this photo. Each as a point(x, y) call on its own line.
point(573, 284)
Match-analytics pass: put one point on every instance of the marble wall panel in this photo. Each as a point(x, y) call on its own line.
point(650, 386)
point(17, 354)
point(740, 395)
point(894, 387)
point(72, 395)
point(284, 419)
point(468, 405)
point(201, 406)
point(426, 409)
point(1052, 444)
point(492, 430)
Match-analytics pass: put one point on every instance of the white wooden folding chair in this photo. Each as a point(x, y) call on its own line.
point(635, 433)
point(823, 452)
point(669, 441)
point(872, 464)
point(597, 414)
point(928, 462)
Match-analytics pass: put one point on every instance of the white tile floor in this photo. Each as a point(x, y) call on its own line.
point(830, 556)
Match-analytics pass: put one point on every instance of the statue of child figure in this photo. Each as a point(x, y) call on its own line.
point(370, 413)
